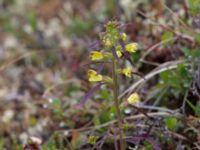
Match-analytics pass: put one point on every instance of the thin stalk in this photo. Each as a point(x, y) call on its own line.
point(116, 102)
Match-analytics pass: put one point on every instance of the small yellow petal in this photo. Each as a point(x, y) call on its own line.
point(118, 50)
point(92, 139)
point(124, 36)
point(133, 99)
point(95, 55)
point(119, 53)
point(127, 71)
point(132, 47)
point(107, 42)
point(93, 76)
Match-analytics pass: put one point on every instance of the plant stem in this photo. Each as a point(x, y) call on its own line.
point(116, 101)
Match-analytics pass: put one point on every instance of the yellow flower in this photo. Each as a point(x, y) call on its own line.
point(119, 53)
point(133, 99)
point(92, 139)
point(93, 76)
point(127, 71)
point(124, 36)
point(95, 55)
point(107, 42)
point(118, 48)
point(132, 47)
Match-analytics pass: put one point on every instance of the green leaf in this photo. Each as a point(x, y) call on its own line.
point(196, 109)
point(186, 51)
point(105, 95)
point(194, 6)
point(31, 18)
point(167, 35)
point(164, 76)
point(195, 53)
point(2, 142)
point(197, 37)
point(182, 70)
point(92, 139)
point(171, 123)
point(96, 120)
point(147, 146)
point(56, 102)
point(57, 108)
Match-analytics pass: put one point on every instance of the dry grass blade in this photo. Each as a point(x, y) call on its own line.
point(129, 118)
point(164, 67)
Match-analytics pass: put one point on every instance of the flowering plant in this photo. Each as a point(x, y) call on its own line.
point(114, 49)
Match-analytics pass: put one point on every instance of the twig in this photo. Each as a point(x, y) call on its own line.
point(184, 101)
point(178, 136)
point(139, 116)
point(158, 109)
point(149, 62)
point(7, 64)
point(18, 58)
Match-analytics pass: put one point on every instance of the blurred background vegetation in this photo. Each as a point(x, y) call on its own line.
point(44, 46)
